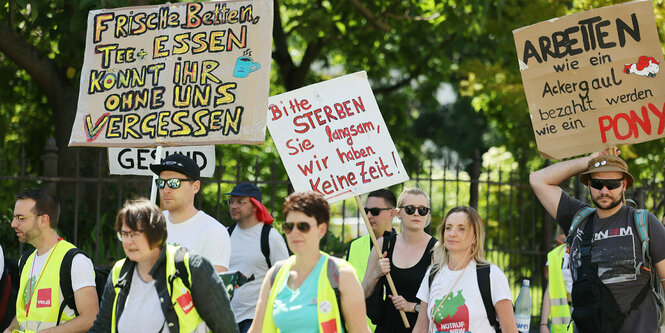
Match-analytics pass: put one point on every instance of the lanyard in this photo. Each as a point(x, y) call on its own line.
point(32, 291)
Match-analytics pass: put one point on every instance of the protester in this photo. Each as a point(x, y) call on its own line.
point(450, 292)
point(611, 279)
point(407, 259)
point(38, 305)
point(380, 209)
point(298, 294)
point(251, 236)
point(199, 232)
point(556, 298)
point(155, 272)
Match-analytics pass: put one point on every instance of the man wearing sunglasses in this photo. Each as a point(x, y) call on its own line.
point(256, 246)
point(200, 233)
point(622, 290)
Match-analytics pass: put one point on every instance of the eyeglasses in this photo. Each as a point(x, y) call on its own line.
point(410, 210)
point(302, 226)
point(611, 184)
point(375, 211)
point(232, 202)
point(127, 235)
point(173, 183)
point(21, 218)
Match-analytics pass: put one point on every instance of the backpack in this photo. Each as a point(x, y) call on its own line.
point(265, 243)
point(642, 226)
point(101, 274)
point(9, 284)
point(483, 277)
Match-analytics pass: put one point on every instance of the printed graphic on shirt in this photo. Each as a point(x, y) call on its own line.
point(614, 250)
point(32, 282)
point(450, 314)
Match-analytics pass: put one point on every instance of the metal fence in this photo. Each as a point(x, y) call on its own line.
point(518, 231)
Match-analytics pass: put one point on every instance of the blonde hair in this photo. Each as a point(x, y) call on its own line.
point(414, 191)
point(440, 252)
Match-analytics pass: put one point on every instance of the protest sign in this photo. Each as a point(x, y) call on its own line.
point(136, 161)
point(332, 139)
point(592, 79)
point(175, 74)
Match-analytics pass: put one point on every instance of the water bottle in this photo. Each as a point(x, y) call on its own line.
point(523, 308)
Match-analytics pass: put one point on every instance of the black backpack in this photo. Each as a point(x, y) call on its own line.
point(9, 285)
point(101, 274)
point(265, 242)
point(483, 276)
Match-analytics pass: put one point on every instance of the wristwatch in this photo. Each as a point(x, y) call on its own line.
point(417, 308)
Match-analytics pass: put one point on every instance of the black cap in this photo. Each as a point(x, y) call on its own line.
point(178, 163)
point(246, 190)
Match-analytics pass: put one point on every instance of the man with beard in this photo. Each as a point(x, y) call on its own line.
point(39, 304)
point(187, 226)
point(256, 246)
point(610, 272)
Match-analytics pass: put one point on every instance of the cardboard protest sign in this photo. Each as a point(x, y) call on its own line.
point(136, 161)
point(593, 80)
point(332, 139)
point(175, 74)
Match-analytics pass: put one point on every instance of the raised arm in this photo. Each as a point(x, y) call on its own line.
point(376, 268)
point(545, 182)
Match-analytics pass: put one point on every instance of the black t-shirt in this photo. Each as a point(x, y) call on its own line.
point(617, 249)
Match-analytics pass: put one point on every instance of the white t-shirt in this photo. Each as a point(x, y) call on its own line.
point(83, 275)
point(463, 310)
point(202, 235)
point(248, 259)
point(142, 312)
point(2, 261)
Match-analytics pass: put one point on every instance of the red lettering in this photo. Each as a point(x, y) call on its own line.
point(603, 127)
point(660, 115)
point(616, 126)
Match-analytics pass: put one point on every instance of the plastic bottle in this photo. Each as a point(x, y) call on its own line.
point(523, 308)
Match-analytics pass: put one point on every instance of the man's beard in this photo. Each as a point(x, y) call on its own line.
point(612, 204)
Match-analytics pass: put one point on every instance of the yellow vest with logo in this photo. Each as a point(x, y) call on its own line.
point(188, 318)
point(559, 309)
point(329, 315)
point(45, 300)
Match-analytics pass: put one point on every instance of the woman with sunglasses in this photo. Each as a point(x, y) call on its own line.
point(450, 292)
point(407, 258)
point(159, 287)
point(298, 294)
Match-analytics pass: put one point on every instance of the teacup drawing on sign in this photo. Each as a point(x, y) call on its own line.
point(245, 65)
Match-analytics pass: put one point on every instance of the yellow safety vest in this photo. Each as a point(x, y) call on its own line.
point(559, 309)
point(359, 252)
point(45, 301)
point(188, 318)
point(328, 310)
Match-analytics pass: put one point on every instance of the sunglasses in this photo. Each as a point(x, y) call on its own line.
point(611, 184)
point(302, 226)
point(410, 210)
point(173, 183)
point(375, 211)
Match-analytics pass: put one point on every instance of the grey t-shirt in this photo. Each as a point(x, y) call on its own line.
point(617, 250)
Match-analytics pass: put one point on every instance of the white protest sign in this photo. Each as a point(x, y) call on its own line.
point(332, 139)
point(175, 75)
point(136, 161)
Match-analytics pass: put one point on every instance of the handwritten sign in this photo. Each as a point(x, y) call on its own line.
point(136, 161)
point(332, 139)
point(175, 74)
point(593, 79)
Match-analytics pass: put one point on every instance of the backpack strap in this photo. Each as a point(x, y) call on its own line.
point(66, 282)
point(231, 228)
point(180, 268)
point(23, 259)
point(483, 276)
point(333, 277)
point(643, 232)
point(277, 266)
point(265, 242)
point(580, 216)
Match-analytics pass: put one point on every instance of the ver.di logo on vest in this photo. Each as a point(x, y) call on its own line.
point(44, 298)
